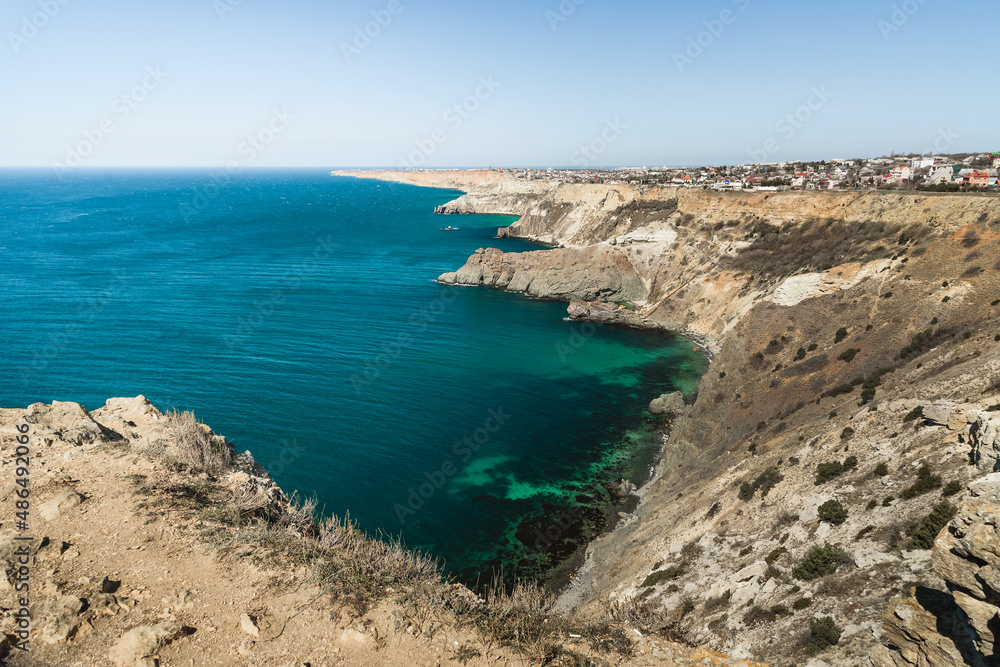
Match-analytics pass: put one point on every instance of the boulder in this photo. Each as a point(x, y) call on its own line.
point(984, 436)
point(139, 646)
point(939, 413)
point(668, 404)
point(64, 501)
point(58, 619)
point(957, 626)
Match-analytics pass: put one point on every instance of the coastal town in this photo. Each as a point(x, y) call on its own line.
point(935, 173)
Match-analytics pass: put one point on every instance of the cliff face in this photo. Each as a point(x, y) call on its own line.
point(837, 322)
point(146, 539)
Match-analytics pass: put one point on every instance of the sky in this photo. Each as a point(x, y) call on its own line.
point(432, 83)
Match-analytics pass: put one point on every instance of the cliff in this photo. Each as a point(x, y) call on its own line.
point(143, 538)
point(855, 372)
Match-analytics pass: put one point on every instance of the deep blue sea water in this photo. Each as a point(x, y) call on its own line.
point(297, 314)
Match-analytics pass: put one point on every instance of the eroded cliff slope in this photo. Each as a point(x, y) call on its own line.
point(850, 401)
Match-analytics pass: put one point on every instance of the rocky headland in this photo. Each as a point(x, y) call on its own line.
point(851, 409)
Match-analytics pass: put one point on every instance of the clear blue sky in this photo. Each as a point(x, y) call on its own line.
point(895, 85)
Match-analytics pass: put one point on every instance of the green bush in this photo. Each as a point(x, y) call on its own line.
point(927, 530)
point(867, 395)
point(813, 347)
point(801, 604)
point(775, 555)
point(846, 433)
point(826, 472)
point(926, 482)
point(832, 512)
point(765, 482)
point(953, 487)
point(819, 562)
point(882, 469)
point(915, 413)
point(841, 334)
point(824, 634)
point(658, 577)
point(872, 504)
point(801, 354)
point(848, 355)
point(863, 532)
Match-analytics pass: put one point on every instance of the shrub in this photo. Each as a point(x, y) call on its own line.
point(841, 334)
point(846, 433)
point(775, 554)
point(832, 512)
point(882, 469)
point(658, 577)
point(766, 481)
point(801, 604)
point(863, 532)
point(996, 303)
point(926, 482)
point(953, 487)
point(826, 472)
point(813, 347)
point(927, 530)
point(848, 355)
point(887, 501)
point(801, 354)
point(867, 395)
point(819, 562)
point(196, 446)
point(824, 634)
point(915, 413)
point(872, 504)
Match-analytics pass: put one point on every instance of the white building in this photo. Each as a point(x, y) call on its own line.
point(940, 175)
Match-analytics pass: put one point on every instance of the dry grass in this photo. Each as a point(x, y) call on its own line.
point(197, 447)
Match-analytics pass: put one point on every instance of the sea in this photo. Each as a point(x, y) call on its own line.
point(297, 314)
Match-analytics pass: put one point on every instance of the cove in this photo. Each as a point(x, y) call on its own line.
point(297, 314)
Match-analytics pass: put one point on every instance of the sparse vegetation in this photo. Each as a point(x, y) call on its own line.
point(924, 533)
point(824, 634)
point(848, 355)
point(832, 511)
point(820, 562)
point(953, 487)
point(841, 335)
point(196, 446)
point(764, 482)
point(882, 469)
point(833, 469)
point(926, 482)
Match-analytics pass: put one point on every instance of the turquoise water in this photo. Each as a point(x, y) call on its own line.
point(296, 313)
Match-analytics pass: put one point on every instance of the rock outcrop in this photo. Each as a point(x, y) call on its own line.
point(591, 274)
point(668, 404)
point(959, 625)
